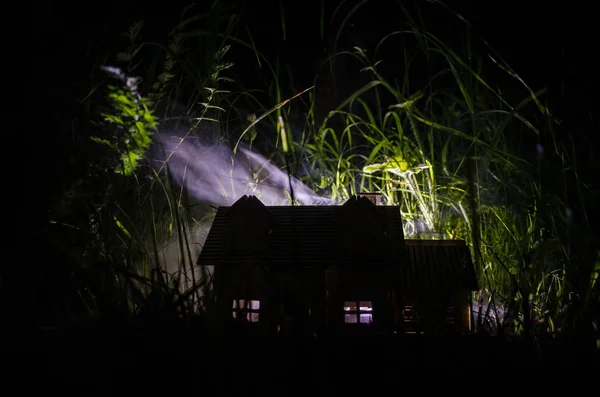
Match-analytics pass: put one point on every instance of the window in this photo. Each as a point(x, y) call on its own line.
point(450, 316)
point(358, 312)
point(410, 318)
point(248, 309)
point(410, 314)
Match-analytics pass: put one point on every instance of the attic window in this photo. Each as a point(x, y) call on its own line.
point(248, 309)
point(358, 312)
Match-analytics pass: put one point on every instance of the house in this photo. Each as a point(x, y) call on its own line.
point(339, 270)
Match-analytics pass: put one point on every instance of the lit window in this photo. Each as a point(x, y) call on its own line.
point(248, 309)
point(358, 312)
point(409, 313)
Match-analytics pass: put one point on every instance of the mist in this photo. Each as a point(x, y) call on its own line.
point(214, 175)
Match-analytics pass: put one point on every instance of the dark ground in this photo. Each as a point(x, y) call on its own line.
point(110, 364)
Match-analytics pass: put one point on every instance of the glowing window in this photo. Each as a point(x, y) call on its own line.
point(409, 313)
point(358, 312)
point(248, 309)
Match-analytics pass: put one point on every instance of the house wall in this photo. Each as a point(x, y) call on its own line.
point(286, 298)
point(444, 312)
point(359, 284)
point(318, 298)
point(245, 282)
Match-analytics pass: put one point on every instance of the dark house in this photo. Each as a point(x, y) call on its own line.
point(335, 270)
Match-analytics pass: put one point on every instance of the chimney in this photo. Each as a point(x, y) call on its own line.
point(375, 198)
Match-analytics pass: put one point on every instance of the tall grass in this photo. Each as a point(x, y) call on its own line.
point(432, 134)
point(447, 153)
point(136, 208)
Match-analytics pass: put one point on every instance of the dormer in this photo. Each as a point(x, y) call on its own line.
point(360, 228)
point(249, 226)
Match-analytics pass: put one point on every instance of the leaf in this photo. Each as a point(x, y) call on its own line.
point(122, 99)
point(323, 183)
point(396, 165)
point(150, 119)
point(408, 104)
point(120, 226)
point(129, 112)
point(113, 119)
point(140, 127)
point(104, 142)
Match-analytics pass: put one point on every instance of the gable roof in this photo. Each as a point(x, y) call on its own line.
point(249, 225)
point(361, 231)
point(310, 236)
point(435, 265)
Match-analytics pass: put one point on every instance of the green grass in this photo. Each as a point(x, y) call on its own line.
point(447, 151)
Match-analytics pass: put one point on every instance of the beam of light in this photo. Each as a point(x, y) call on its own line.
point(214, 175)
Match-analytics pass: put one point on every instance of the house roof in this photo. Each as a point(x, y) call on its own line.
point(438, 264)
point(314, 236)
point(309, 235)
